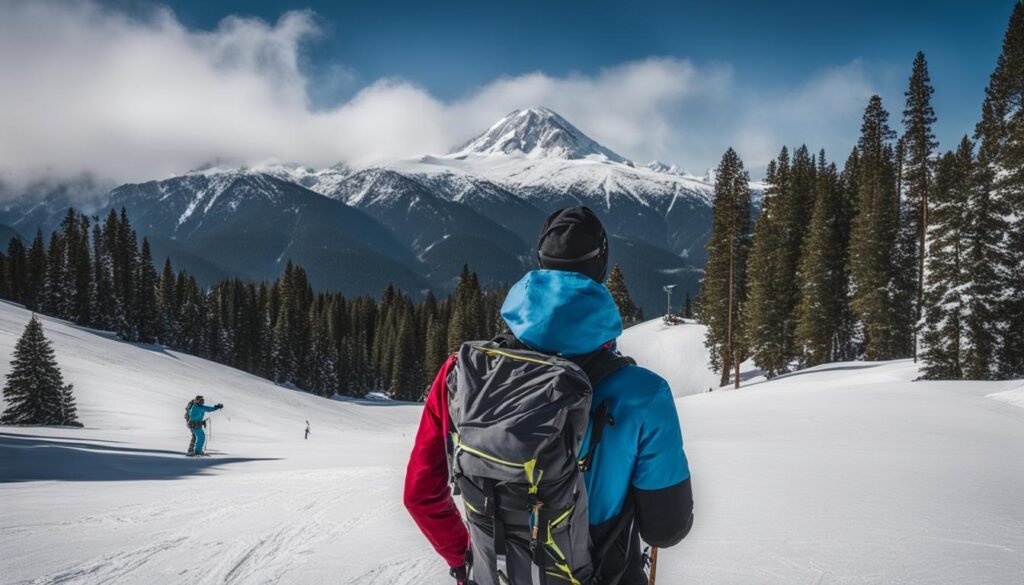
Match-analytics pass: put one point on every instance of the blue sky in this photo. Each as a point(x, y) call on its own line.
point(366, 81)
point(452, 46)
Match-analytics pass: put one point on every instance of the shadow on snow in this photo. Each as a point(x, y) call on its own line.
point(34, 458)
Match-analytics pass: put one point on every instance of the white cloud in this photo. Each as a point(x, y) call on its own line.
point(92, 91)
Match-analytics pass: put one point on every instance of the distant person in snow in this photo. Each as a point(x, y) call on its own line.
point(577, 516)
point(307, 430)
point(194, 413)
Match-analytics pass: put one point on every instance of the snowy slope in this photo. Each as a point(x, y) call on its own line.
point(844, 474)
point(676, 352)
point(116, 502)
point(1013, 396)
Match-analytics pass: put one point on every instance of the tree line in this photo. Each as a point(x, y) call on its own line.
point(95, 273)
point(902, 252)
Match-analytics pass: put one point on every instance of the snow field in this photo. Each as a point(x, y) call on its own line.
point(842, 474)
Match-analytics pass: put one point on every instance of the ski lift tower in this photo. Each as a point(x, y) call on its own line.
point(668, 292)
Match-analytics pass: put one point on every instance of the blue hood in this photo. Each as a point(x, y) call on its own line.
point(561, 312)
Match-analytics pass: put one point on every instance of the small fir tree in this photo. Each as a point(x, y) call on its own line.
point(35, 391)
point(616, 284)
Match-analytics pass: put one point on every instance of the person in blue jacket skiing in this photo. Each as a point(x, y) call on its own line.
point(194, 413)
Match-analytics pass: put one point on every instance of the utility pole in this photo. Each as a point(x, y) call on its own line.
point(668, 291)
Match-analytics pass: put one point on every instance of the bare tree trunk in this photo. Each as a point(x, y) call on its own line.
point(728, 353)
point(726, 361)
point(920, 260)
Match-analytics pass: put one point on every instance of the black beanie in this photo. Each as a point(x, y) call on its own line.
point(574, 240)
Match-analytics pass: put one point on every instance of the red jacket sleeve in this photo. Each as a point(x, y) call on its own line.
point(427, 495)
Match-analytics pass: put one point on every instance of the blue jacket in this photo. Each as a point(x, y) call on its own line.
point(197, 411)
point(639, 469)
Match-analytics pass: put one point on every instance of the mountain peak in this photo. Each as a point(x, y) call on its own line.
point(536, 133)
point(668, 169)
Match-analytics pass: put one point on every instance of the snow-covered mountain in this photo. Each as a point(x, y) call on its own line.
point(528, 164)
point(417, 221)
point(543, 159)
point(251, 222)
point(841, 474)
point(536, 133)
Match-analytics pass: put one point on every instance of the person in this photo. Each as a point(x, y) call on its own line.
point(639, 477)
point(194, 414)
point(307, 430)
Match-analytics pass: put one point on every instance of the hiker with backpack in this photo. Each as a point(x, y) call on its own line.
point(564, 453)
point(195, 410)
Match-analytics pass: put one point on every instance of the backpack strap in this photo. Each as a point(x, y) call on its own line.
point(508, 340)
point(625, 525)
point(599, 418)
point(600, 364)
point(597, 365)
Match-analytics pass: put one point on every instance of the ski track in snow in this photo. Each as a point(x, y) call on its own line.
point(261, 557)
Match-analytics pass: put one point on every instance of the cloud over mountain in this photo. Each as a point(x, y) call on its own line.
point(90, 90)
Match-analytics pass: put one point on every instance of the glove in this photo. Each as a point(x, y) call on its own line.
point(461, 575)
point(218, 406)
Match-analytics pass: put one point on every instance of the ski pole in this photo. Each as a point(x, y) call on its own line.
point(654, 564)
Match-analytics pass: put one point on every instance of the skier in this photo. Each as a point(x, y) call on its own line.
point(637, 481)
point(194, 413)
point(307, 430)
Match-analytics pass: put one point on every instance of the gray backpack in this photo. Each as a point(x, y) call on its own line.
point(518, 420)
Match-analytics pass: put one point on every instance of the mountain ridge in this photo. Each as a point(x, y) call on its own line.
point(418, 220)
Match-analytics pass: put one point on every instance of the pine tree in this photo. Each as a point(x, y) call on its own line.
point(35, 391)
point(385, 337)
point(849, 341)
point(320, 367)
point(265, 341)
point(467, 313)
point(873, 234)
point(918, 117)
point(406, 370)
point(688, 306)
point(167, 303)
point(945, 340)
point(191, 315)
point(435, 351)
point(17, 271)
point(723, 289)
point(766, 310)
point(628, 311)
point(146, 311)
point(57, 290)
point(5, 288)
point(903, 286)
point(79, 267)
point(822, 274)
point(291, 328)
point(36, 273)
point(109, 313)
point(123, 243)
point(998, 209)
